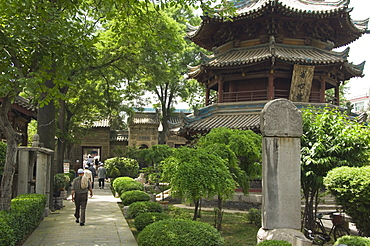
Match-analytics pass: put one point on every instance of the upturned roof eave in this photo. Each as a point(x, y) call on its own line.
point(210, 24)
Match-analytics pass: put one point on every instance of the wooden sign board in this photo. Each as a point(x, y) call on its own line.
point(300, 88)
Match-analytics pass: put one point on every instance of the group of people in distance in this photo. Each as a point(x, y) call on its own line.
point(83, 183)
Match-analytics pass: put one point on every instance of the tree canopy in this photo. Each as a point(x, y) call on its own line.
point(198, 173)
point(329, 140)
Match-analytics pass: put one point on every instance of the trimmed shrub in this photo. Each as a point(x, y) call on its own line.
point(180, 233)
point(351, 188)
point(7, 234)
point(123, 184)
point(117, 181)
point(122, 166)
point(138, 208)
point(274, 243)
point(134, 196)
point(144, 219)
point(25, 213)
point(353, 241)
point(254, 216)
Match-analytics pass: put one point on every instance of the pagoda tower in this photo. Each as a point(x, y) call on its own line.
point(271, 49)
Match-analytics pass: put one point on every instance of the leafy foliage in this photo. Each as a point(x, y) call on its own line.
point(61, 181)
point(24, 216)
point(241, 148)
point(254, 217)
point(138, 208)
point(353, 241)
point(351, 188)
point(123, 184)
point(142, 220)
point(125, 166)
point(132, 196)
point(329, 140)
point(179, 232)
point(197, 173)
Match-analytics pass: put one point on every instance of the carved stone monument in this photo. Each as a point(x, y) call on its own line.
point(281, 127)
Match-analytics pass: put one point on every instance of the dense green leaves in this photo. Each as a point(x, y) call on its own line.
point(329, 140)
point(197, 173)
point(351, 188)
point(245, 145)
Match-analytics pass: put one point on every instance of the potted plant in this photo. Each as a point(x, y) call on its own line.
point(61, 181)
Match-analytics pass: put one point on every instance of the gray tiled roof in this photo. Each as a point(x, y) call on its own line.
point(305, 55)
point(145, 120)
point(25, 103)
point(233, 121)
point(101, 123)
point(336, 12)
point(302, 6)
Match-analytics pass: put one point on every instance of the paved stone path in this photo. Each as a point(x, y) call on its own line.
point(104, 225)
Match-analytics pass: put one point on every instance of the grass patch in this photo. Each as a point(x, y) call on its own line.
point(236, 229)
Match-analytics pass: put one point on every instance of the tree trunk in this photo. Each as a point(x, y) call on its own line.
point(46, 130)
point(163, 134)
point(196, 208)
point(13, 139)
point(219, 214)
point(61, 143)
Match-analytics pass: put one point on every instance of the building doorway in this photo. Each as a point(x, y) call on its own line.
point(91, 152)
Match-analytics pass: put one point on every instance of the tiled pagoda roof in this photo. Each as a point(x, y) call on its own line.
point(304, 55)
point(346, 29)
point(238, 115)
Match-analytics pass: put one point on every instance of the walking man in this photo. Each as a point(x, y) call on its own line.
point(102, 175)
point(80, 187)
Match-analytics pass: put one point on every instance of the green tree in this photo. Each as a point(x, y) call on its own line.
point(329, 140)
point(47, 46)
point(163, 63)
point(221, 142)
point(197, 173)
point(351, 188)
point(245, 144)
point(153, 158)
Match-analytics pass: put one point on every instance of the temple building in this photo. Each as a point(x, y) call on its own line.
point(20, 115)
point(143, 128)
point(271, 49)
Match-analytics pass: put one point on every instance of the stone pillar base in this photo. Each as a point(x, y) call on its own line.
point(295, 237)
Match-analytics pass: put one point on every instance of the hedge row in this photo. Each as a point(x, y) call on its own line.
point(26, 211)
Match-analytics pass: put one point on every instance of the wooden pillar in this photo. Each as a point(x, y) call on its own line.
point(322, 89)
point(337, 94)
point(270, 87)
point(220, 90)
point(207, 95)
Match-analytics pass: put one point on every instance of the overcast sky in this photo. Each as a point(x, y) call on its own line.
point(360, 49)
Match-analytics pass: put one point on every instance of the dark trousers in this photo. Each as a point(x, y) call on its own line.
point(101, 183)
point(80, 203)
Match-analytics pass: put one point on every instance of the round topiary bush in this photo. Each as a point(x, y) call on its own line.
point(117, 181)
point(274, 243)
point(134, 196)
point(353, 241)
point(180, 233)
point(144, 219)
point(122, 166)
point(123, 184)
point(138, 208)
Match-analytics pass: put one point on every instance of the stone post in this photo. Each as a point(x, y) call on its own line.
point(281, 127)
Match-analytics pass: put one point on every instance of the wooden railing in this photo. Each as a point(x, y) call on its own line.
point(241, 96)
point(257, 95)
